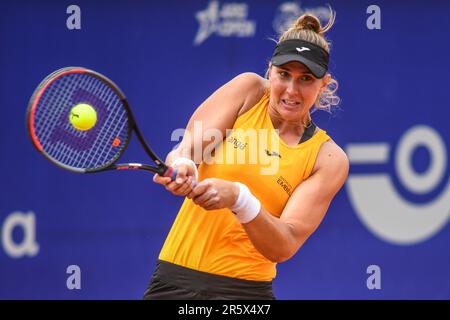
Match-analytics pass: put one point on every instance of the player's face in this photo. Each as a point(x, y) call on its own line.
point(293, 90)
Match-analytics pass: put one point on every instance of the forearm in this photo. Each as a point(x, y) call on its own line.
point(180, 152)
point(271, 236)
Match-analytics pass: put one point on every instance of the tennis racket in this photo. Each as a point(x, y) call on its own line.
point(76, 94)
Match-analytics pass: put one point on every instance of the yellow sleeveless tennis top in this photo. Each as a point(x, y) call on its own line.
point(253, 154)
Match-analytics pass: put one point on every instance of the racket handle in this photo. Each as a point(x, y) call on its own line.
point(171, 172)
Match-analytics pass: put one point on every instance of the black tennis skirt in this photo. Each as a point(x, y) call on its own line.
point(171, 281)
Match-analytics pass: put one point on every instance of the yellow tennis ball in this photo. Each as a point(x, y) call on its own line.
point(83, 116)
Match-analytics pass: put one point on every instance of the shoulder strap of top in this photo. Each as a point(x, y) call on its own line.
point(309, 132)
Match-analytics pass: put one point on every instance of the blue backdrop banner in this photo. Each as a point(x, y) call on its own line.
point(75, 236)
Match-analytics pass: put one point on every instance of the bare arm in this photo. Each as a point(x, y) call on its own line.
point(278, 239)
point(219, 112)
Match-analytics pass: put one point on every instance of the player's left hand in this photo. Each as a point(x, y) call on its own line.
point(213, 194)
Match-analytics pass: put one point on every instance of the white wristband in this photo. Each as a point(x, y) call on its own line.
point(188, 161)
point(247, 206)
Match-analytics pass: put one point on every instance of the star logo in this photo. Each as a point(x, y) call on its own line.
point(228, 20)
point(207, 20)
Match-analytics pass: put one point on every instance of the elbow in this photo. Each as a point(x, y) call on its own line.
point(283, 247)
point(288, 247)
point(284, 252)
point(281, 255)
point(277, 258)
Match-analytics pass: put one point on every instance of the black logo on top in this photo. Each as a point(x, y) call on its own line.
point(283, 183)
point(273, 154)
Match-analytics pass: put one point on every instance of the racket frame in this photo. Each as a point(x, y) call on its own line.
point(161, 168)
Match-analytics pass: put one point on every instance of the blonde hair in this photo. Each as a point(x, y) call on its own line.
point(308, 28)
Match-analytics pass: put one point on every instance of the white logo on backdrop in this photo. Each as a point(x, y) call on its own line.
point(28, 245)
point(380, 206)
point(288, 12)
point(230, 20)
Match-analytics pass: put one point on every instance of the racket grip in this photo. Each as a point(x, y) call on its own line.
point(171, 172)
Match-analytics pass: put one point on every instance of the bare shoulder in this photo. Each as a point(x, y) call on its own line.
point(250, 80)
point(252, 86)
point(332, 161)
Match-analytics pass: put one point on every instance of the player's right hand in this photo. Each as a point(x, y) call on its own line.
point(183, 184)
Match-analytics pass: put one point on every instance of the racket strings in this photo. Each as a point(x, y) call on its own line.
point(71, 147)
point(43, 118)
point(85, 161)
point(61, 151)
point(117, 118)
point(65, 153)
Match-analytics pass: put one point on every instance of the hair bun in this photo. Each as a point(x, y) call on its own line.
point(308, 22)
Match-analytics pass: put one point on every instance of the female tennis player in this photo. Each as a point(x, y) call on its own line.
point(239, 221)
